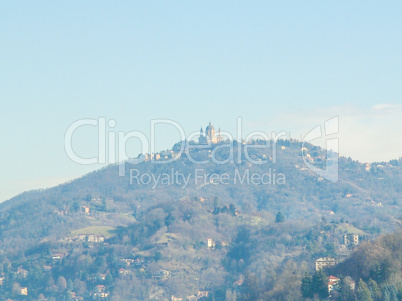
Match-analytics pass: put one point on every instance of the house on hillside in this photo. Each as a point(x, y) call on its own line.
point(161, 274)
point(100, 291)
point(332, 282)
point(350, 238)
point(82, 237)
point(210, 243)
point(202, 294)
point(124, 272)
point(152, 157)
point(127, 261)
point(95, 238)
point(24, 291)
point(139, 262)
point(22, 272)
point(325, 262)
point(57, 257)
point(85, 209)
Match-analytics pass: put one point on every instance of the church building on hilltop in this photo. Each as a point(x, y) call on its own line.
point(209, 135)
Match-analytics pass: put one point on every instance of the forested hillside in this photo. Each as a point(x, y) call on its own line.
point(373, 272)
point(102, 237)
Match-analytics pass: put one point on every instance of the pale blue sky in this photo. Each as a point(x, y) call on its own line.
point(282, 65)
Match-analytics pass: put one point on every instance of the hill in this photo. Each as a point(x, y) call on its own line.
point(193, 230)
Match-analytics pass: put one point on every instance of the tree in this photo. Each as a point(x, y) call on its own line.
point(70, 285)
point(241, 247)
point(232, 209)
point(363, 292)
point(105, 206)
point(41, 297)
point(330, 250)
point(251, 291)
point(109, 279)
point(381, 270)
point(158, 256)
point(80, 286)
point(76, 206)
point(62, 283)
point(386, 296)
point(393, 294)
point(230, 295)
point(50, 283)
point(217, 208)
point(345, 291)
point(374, 289)
point(16, 288)
point(307, 286)
point(279, 218)
point(169, 219)
point(320, 284)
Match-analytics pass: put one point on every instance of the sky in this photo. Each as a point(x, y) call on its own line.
point(279, 66)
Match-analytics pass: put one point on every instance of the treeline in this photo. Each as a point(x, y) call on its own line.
point(380, 260)
point(372, 273)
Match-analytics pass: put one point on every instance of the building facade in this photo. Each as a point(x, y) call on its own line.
point(324, 262)
point(209, 137)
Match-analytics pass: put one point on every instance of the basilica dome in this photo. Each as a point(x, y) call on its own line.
point(210, 130)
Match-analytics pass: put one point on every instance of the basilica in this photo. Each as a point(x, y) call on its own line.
point(209, 136)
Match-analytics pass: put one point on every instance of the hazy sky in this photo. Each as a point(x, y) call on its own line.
point(289, 65)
